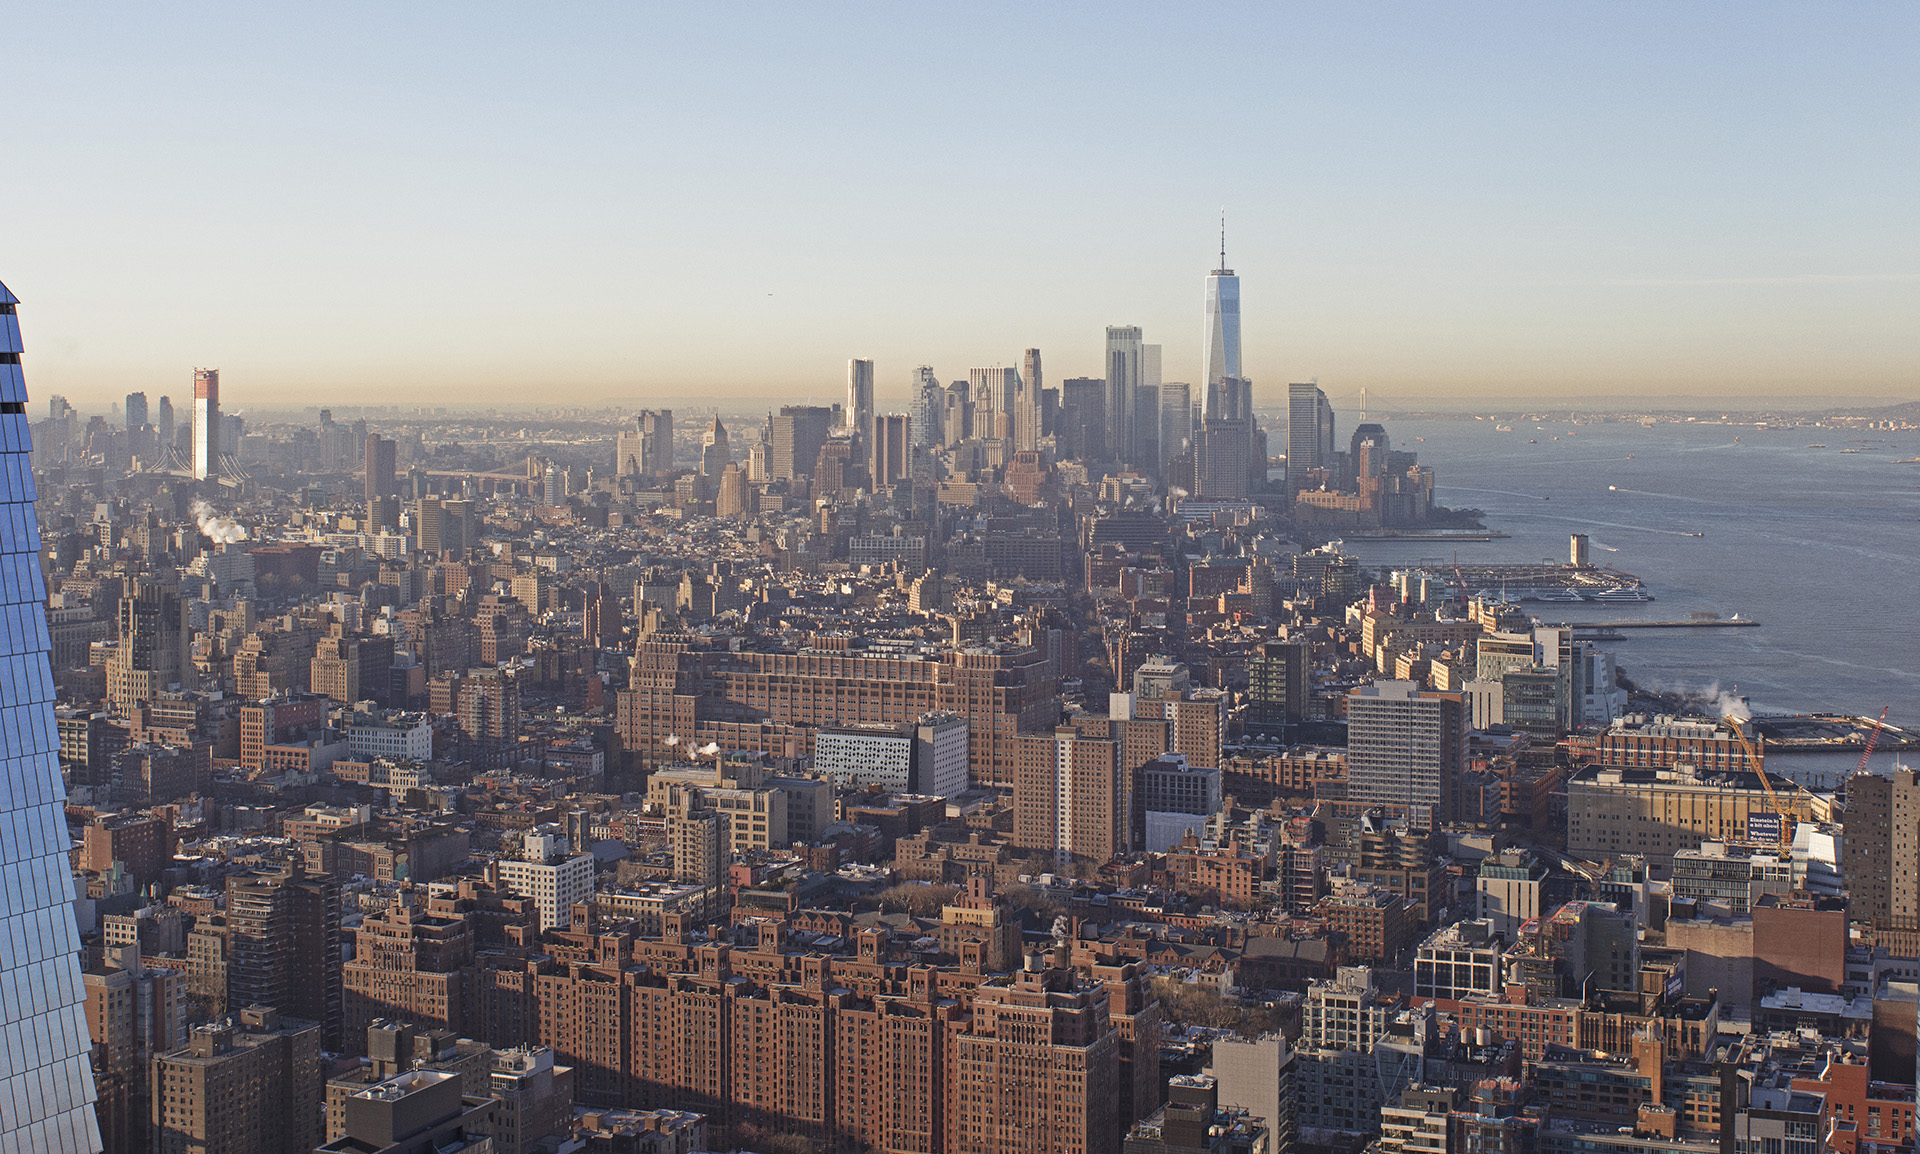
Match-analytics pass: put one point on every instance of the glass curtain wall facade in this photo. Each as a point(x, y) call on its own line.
point(46, 1085)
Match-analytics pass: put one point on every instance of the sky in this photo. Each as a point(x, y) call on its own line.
point(613, 203)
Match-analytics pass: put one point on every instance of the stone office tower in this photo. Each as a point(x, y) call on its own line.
point(45, 1078)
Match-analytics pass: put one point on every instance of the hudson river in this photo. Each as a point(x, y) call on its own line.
point(1820, 545)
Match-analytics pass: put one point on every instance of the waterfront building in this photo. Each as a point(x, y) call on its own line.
point(1309, 434)
point(1881, 866)
point(1659, 812)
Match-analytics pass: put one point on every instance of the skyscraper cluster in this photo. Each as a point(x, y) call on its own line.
point(856, 777)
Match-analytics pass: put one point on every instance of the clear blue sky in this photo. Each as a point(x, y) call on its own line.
point(342, 203)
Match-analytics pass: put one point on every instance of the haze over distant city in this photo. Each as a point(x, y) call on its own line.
point(495, 204)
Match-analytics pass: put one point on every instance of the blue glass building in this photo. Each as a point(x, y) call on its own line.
point(46, 1084)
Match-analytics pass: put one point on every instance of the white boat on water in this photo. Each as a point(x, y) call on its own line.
point(1622, 595)
point(1555, 595)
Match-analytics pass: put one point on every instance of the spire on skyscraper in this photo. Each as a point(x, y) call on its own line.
point(1221, 337)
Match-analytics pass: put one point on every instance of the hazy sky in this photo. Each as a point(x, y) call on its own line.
point(339, 203)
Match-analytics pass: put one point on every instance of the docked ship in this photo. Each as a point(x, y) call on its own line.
point(1622, 595)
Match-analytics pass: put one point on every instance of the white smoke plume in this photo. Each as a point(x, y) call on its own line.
point(1727, 705)
point(218, 527)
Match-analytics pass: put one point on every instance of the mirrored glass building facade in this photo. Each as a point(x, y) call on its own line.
point(46, 1085)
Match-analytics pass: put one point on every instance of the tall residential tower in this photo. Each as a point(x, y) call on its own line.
point(206, 424)
point(45, 1079)
point(859, 411)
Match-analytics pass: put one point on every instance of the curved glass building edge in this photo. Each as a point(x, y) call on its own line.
point(46, 1083)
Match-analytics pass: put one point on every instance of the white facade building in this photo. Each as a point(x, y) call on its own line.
point(940, 755)
point(879, 755)
point(551, 875)
point(206, 423)
point(926, 757)
point(395, 736)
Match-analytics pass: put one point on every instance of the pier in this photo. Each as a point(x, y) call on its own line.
point(1499, 577)
point(1612, 626)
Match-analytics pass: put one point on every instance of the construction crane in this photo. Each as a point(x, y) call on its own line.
point(1781, 816)
point(1873, 738)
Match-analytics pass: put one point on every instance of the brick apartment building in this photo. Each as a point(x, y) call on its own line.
point(869, 1049)
point(774, 701)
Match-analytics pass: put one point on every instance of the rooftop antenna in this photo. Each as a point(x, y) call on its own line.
point(1223, 238)
point(1363, 402)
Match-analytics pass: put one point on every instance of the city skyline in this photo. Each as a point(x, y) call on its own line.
point(726, 605)
point(1491, 203)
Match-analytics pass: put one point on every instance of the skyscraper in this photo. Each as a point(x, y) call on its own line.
point(1082, 427)
point(798, 433)
point(1146, 409)
point(927, 408)
point(1309, 433)
point(730, 497)
point(1176, 420)
point(715, 454)
point(136, 410)
point(381, 466)
point(1027, 406)
point(206, 424)
point(1220, 467)
point(1123, 379)
point(1222, 339)
point(48, 1083)
point(994, 393)
point(163, 425)
point(859, 411)
point(891, 457)
point(647, 448)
